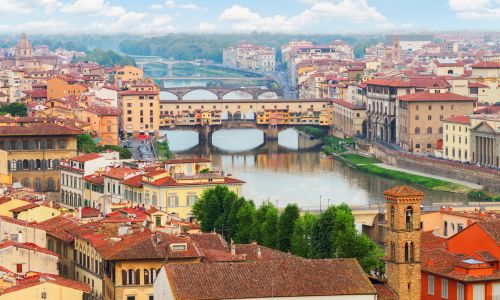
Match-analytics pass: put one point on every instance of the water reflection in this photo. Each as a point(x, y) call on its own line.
point(286, 176)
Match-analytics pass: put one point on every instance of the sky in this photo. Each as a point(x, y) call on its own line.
point(158, 17)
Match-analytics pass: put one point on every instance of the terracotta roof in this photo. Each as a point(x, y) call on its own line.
point(458, 119)
point(449, 64)
point(24, 207)
point(94, 179)
point(491, 109)
point(46, 278)
point(57, 227)
point(403, 191)
point(134, 181)
point(159, 246)
point(28, 246)
point(389, 82)
point(384, 292)
point(251, 252)
point(477, 85)
point(90, 212)
point(40, 129)
point(131, 93)
point(271, 278)
point(119, 173)
point(104, 111)
point(347, 104)
point(486, 65)
point(86, 157)
point(169, 181)
point(426, 96)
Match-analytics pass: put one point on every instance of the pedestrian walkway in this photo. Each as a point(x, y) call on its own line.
point(465, 183)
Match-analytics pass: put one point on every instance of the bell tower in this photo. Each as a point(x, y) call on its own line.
point(403, 241)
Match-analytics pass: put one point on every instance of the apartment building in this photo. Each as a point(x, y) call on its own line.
point(250, 57)
point(140, 110)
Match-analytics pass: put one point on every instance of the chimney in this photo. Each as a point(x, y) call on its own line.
point(259, 253)
point(233, 248)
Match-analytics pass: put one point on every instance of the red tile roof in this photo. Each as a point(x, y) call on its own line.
point(134, 181)
point(437, 97)
point(86, 157)
point(477, 85)
point(347, 104)
point(491, 109)
point(403, 191)
point(94, 179)
point(46, 278)
point(139, 93)
point(389, 82)
point(187, 160)
point(458, 119)
point(40, 129)
point(251, 252)
point(119, 173)
point(28, 246)
point(449, 64)
point(57, 227)
point(24, 207)
point(272, 278)
point(486, 65)
point(492, 228)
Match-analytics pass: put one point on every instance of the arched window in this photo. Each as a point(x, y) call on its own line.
point(7, 145)
point(393, 251)
point(37, 185)
point(417, 130)
point(56, 164)
point(43, 164)
point(26, 182)
point(38, 164)
point(19, 145)
point(31, 164)
point(429, 130)
point(409, 252)
point(124, 277)
point(19, 165)
point(50, 184)
point(131, 276)
point(409, 218)
point(153, 274)
point(417, 117)
point(393, 213)
point(146, 276)
point(26, 164)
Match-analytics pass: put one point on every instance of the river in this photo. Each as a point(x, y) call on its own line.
point(279, 172)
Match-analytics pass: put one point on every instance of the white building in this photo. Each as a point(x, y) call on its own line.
point(250, 57)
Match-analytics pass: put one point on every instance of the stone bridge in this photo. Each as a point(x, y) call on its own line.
point(245, 109)
point(250, 93)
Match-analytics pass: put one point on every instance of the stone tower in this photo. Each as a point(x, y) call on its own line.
point(403, 241)
point(24, 48)
point(396, 49)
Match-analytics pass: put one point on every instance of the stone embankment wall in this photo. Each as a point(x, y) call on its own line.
point(488, 178)
point(308, 142)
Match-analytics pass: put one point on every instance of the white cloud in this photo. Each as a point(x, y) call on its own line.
point(156, 6)
point(356, 11)
point(15, 6)
point(50, 5)
point(49, 26)
point(476, 9)
point(85, 6)
point(173, 4)
point(206, 27)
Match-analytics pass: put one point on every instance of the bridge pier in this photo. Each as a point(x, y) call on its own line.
point(205, 133)
point(270, 132)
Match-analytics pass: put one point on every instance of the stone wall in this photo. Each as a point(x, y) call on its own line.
point(488, 178)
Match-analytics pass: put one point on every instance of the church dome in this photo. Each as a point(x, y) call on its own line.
point(24, 43)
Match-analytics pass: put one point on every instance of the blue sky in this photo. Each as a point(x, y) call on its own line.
point(156, 17)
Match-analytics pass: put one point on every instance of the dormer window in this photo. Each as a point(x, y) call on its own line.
point(178, 247)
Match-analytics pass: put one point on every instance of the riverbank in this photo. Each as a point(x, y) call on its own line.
point(375, 167)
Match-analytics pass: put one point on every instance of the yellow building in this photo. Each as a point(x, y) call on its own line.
point(34, 153)
point(41, 286)
point(5, 177)
point(6, 206)
point(131, 274)
point(488, 73)
point(348, 118)
point(456, 138)
point(34, 212)
point(140, 110)
point(21, 258)
point(127, 74)
point(58, 87)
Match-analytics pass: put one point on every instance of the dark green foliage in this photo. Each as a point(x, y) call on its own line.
point(270, 228)
point(331, 235)
point(286, 224)
point(163, 150)
point(245, 218)
point(14, 109)
point(107, 58)
point(301, 244)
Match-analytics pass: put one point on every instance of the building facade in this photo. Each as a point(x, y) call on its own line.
point(250, 57)
point(420, 115)
point(140, 110)
point(35, 152)
point(485, 140)
point(456, 139)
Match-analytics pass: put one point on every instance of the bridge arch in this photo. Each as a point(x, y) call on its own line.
point(166, 95)
point(250, 115)
point(237, 94)
point(238, 115)
point(226, 115)
point(267, 95)
point(200, 94)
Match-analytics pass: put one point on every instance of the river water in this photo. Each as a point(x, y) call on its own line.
point(279, 172)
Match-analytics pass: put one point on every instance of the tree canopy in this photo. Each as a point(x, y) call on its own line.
point(14, 109)
point(85, 144)
point(332, 234)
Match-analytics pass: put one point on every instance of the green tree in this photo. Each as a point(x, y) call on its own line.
point(285, 226)
point(14, 109)
point(270, 228)
point(124, 152)
point(85, 143)
point(245, 217)
point(302, 234)
point(322, 232)
point(260, 218)
point(231, 227)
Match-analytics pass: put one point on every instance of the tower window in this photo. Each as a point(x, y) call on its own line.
point(392, 216)
point(409, 218)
